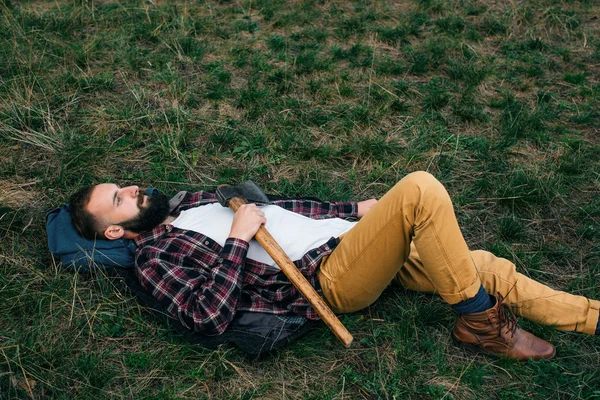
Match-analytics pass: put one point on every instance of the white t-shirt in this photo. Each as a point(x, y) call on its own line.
point(295, 233)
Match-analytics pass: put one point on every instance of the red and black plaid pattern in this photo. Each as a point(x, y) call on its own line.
point(204, 284)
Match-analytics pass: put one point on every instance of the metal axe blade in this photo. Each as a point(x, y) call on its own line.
point(248, 191)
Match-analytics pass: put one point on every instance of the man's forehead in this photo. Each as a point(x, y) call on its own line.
point(101, 198)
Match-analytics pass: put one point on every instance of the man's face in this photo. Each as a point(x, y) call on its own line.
point(128, 207)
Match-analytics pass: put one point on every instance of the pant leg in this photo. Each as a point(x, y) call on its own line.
point(369, 256)
point(525, 296)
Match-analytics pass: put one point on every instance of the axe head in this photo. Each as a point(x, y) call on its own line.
point(247, 191)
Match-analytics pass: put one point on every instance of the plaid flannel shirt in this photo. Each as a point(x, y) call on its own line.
point(203, 284)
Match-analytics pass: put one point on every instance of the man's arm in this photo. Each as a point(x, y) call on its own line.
point(321, 210)
point(308, 208)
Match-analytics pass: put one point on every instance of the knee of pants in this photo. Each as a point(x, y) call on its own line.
point(420, 177)
point(496, 274)
point(424, 183)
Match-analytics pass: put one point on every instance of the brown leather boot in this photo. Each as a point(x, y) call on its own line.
point(495, 332)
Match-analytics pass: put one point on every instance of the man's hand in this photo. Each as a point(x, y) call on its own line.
point(365, 206)
point(246, 221)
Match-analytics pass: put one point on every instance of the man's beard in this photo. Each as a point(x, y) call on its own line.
point(150, 216)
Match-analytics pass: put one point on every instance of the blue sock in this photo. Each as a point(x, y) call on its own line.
point(481, 302)
point(598, 328)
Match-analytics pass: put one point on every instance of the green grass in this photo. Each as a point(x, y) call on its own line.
point(337, 100)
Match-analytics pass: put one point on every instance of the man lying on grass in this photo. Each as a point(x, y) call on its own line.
point(200, 259)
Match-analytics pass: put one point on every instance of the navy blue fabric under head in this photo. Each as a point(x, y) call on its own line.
point(78, 253)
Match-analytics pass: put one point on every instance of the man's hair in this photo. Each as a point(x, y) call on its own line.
point(83, 220)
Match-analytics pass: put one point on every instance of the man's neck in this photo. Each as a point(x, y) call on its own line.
point(169, 219)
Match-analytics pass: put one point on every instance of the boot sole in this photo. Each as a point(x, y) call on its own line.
point(480, 350)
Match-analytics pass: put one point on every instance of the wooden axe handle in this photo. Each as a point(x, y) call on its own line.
point(298, 280)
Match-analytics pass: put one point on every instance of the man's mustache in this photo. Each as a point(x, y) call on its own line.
point(140, 199)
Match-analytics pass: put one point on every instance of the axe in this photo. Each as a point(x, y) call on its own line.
point(236, 196)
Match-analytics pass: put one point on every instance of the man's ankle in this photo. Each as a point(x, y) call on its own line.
point(479, 303)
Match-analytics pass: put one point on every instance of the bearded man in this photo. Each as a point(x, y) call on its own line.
point(199, 260)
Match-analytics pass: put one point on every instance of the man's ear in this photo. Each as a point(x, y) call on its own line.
point(114, 232)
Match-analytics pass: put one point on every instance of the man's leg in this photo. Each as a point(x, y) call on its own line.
point(370, 255)
point(523, 295)
point(417, 209)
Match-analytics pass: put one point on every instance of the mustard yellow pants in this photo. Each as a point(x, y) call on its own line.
point(412, 235)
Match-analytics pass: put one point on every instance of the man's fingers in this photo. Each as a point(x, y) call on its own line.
point(252, 209)
point(364, 206)
point(246, 221)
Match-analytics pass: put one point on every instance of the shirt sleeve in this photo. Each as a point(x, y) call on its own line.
point(199, 198)
point(320, 210)
point(308, 208)
point(203, 294)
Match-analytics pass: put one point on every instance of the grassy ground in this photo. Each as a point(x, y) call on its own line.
point(335, 99)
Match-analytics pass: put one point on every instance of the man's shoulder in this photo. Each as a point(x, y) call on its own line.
point(158, 250)
point(169, 241)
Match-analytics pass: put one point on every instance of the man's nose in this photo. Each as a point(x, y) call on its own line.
point(132, 190)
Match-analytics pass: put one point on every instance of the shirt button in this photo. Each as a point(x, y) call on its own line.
point(207, 243)
point(318, 251)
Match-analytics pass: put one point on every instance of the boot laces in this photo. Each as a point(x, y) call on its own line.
point(510, 321)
